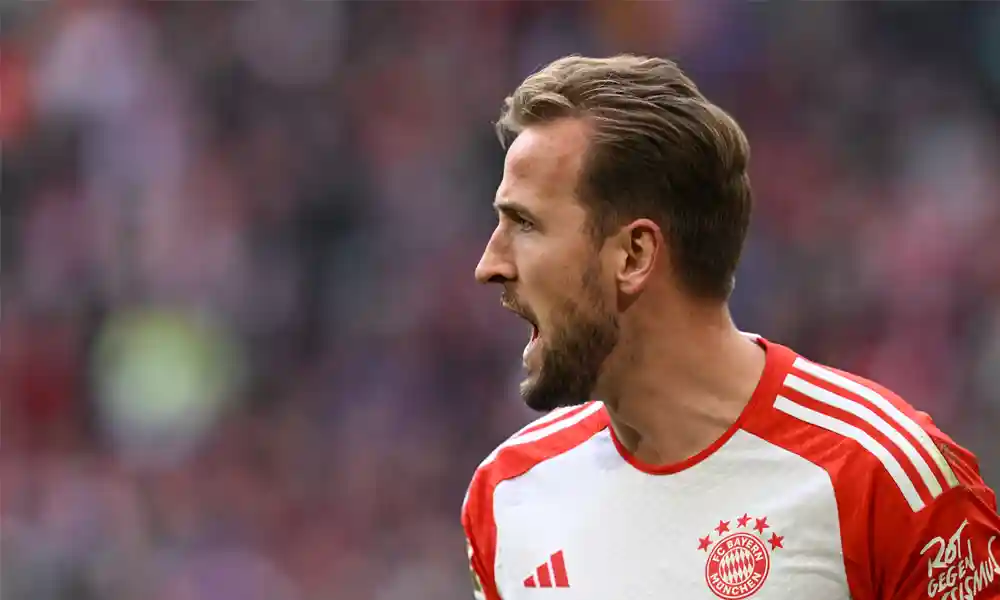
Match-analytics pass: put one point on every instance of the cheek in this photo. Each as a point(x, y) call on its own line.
point(564, 283)
point(546, 272)
point(553, 273)
point(574, 297)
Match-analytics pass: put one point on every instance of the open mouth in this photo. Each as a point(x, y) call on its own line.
point(532, 342)
point(530, 321)
point(533, 338)
point(531, 324)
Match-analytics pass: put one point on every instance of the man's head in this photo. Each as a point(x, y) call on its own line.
point(619, 176)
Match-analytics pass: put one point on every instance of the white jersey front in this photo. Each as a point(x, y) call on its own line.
point(828, 487)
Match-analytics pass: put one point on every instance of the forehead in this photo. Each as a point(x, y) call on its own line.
point(544, 161)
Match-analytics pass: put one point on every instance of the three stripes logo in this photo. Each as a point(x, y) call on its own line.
point(550, 574)
point(827, 399)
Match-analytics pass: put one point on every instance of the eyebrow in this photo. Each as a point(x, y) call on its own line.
point(508, 206)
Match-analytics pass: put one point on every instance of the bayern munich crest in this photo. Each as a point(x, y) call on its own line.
point(739, 557)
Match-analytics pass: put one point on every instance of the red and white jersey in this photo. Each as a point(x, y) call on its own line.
point(828, 487)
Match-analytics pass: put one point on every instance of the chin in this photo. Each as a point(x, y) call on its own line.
point(565, 371)
point(545, 395)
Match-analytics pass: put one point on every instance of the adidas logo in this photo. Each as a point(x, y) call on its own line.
point(549, 574)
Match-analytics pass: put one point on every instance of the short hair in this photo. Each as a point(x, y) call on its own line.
point(659, 149)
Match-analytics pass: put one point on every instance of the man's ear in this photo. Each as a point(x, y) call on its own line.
point(640, 244)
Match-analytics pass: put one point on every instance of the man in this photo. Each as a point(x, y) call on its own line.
point(710, 463)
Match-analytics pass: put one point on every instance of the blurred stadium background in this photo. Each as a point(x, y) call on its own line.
point(243, 353)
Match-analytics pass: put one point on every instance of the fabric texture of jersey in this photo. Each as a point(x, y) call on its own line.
point(827, 487)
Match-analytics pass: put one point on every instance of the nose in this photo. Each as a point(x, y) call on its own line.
point(495, 266)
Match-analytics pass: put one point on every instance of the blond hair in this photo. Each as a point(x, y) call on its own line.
point(659, 149)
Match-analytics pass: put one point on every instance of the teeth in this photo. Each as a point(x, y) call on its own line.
point(527, 349)
point(532, 341)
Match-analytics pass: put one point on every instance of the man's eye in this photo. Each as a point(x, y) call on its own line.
point(522, 223)
point(511, 217)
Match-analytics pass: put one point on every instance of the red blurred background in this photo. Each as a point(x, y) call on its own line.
point(243, 353)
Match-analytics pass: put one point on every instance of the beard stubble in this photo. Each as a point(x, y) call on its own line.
point(583, 335)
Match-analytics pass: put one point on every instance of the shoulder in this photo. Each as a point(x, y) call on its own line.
point(863, 434)
point(897, 478)
point(548, 437)
point(543, 439)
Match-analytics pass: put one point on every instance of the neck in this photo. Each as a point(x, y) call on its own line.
point(681, 383)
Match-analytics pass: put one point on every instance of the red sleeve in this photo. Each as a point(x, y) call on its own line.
point(949, 550)
point(916, 518)
point(480, 537)
point(549, 436)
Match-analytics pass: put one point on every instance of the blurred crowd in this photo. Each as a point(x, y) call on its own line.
point(243, 353)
